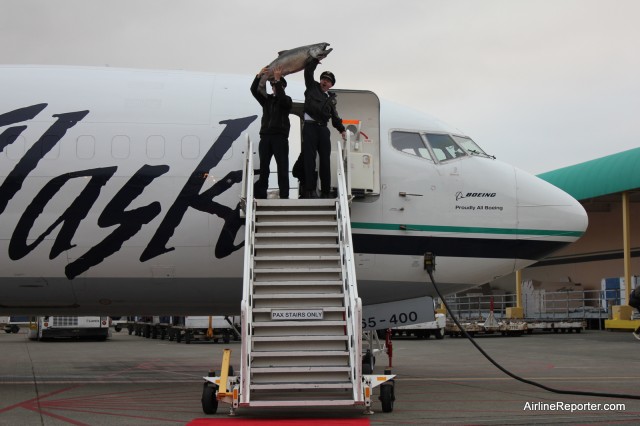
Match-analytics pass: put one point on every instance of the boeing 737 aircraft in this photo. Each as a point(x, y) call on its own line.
point(120, 194)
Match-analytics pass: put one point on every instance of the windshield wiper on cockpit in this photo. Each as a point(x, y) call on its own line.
point(484, 154)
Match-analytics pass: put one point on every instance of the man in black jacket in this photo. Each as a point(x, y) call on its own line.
point(274, 133)
point(320, 106)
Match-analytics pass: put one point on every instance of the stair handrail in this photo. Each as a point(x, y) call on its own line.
point(353, 303)
point(347, 163)
point(247, 280)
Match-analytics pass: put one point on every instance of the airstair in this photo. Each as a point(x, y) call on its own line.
point(301, 314)
point(300, 307)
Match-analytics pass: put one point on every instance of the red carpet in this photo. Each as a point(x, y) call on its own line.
point(236, 421)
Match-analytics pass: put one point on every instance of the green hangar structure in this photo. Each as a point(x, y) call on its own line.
point(609, 190)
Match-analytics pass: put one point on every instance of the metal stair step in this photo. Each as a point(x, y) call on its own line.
point(298, 290)
point(305, 338)
point(300, 265)
point(295, 270)
point(311, 385)
point(293, 258)
point(299, 296)
point(301, 323)
point(304, 369)
point(329, 234)
point(255, 353)
point(289, 343)
point(326, 212)
point(301, 249)
point(291, 402)
point(297, 283)
point(266, 224)
point(301, 202)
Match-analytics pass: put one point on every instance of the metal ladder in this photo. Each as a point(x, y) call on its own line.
point(300, 344)
point(301, 314)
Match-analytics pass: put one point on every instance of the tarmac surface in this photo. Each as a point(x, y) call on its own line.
point(131, 380)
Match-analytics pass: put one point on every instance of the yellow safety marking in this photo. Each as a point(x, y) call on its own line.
point(224, 373)
point(367, 392)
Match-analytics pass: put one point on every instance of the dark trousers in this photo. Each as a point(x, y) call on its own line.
point(316, 138)
point(273, 146)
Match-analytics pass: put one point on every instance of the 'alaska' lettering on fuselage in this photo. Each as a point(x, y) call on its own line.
point(130, 221)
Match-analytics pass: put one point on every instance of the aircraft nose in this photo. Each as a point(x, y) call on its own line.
point(547, 217)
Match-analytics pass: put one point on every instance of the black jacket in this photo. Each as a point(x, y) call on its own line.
point(317, 104)
point(275, 110)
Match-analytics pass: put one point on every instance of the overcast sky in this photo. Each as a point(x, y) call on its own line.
point(540, 84)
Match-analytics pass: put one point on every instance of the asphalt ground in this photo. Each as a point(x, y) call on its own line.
point(131, 380)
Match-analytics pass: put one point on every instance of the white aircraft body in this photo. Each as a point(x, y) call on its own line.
point(120, 193)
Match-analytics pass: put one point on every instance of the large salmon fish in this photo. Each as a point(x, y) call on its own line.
point(293, 60)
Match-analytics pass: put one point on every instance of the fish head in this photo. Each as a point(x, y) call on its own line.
point(319, 51)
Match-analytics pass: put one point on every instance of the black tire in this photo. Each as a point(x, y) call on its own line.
point(209, 400)
point(387, 397)
point(368, 363)
point(118, 328)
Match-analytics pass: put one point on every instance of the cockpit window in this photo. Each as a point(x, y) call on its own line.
point(470, 146)
point(444, 147)
point(410, 143)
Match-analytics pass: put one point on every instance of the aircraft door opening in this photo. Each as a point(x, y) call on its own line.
point(360, 112)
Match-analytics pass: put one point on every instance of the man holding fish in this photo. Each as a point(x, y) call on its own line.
point(274, 132)
point(320, 106)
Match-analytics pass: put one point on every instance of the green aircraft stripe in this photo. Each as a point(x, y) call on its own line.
point(464, 229)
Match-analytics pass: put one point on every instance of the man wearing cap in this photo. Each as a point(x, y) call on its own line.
point(320, 106)
point(274, 133)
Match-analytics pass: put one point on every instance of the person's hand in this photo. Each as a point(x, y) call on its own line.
point(264, 70)
point(344, 136)
point(277, 73)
